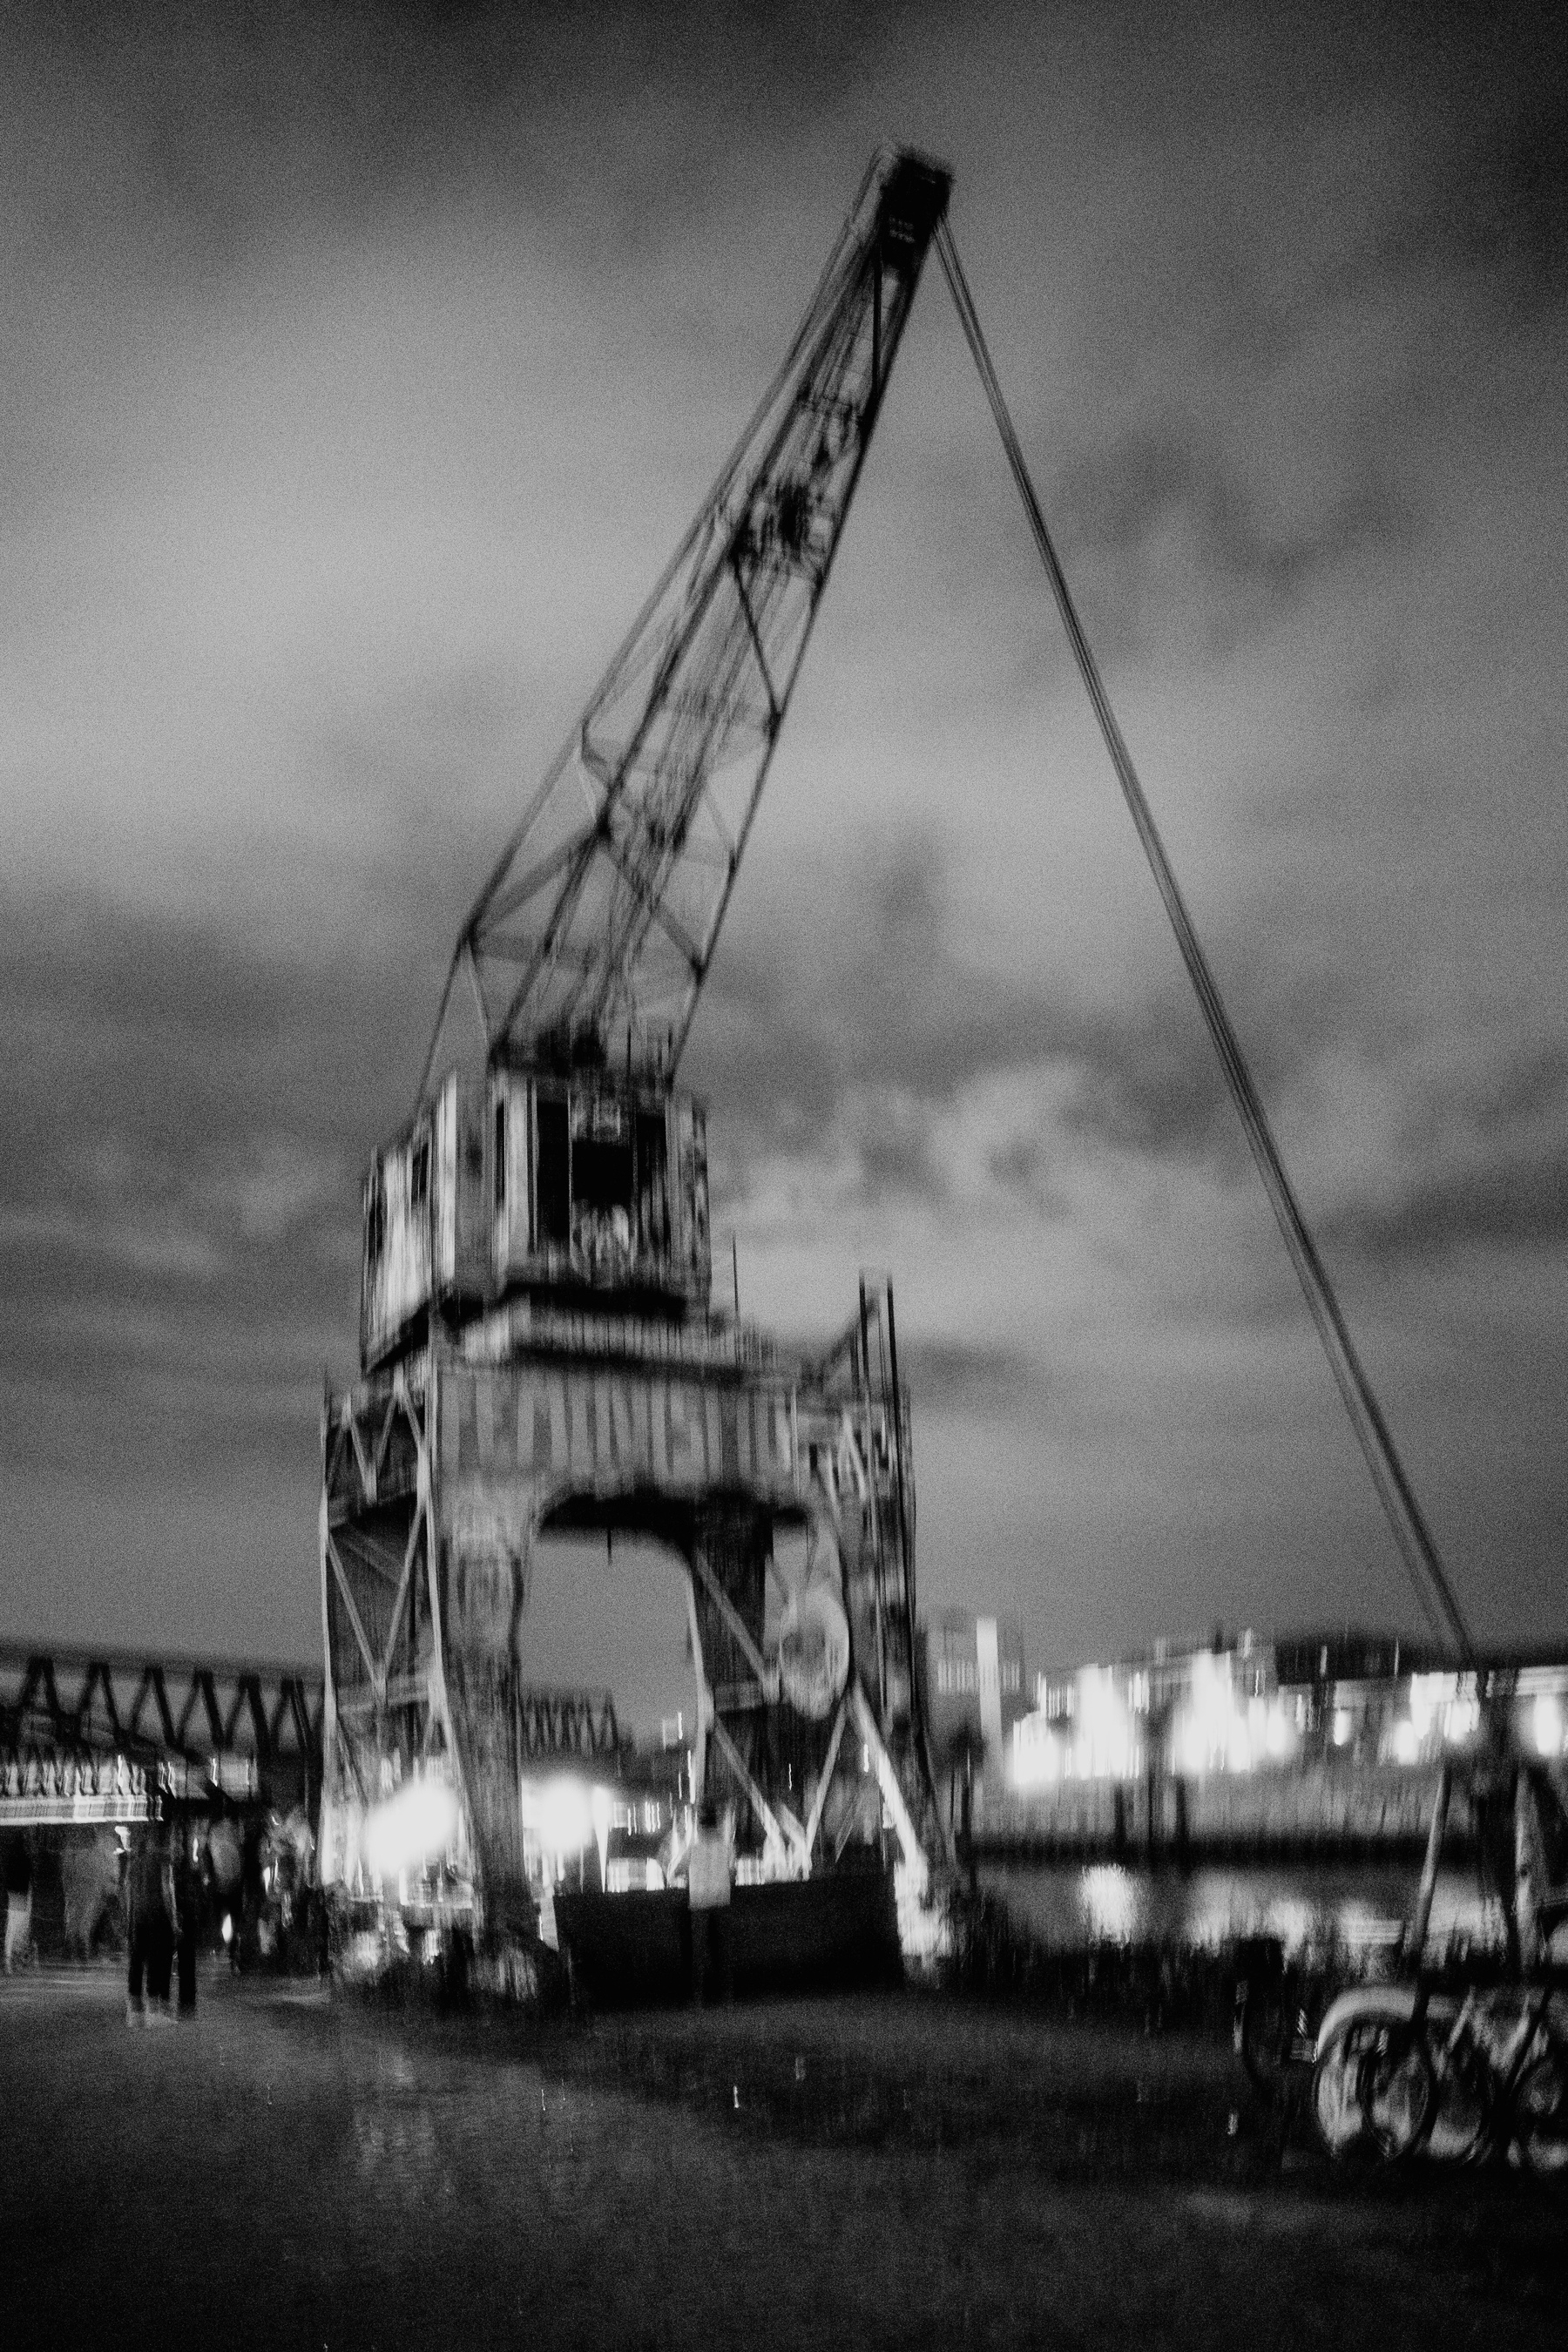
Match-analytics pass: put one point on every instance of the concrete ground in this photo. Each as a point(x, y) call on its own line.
point(291, 2169)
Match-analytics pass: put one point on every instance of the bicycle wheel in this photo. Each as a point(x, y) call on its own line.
point(1398, 2092)
point(1338, 2110)
point(1540, 2115)
point(1462, 2126)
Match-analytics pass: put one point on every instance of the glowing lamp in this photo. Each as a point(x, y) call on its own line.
point(562, 1815)
point(1036, 1755)
point(410, 1828)
point(1464, 1717)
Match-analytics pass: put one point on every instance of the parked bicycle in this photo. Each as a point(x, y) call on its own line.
point(1405, 2068)
point(1357, 2079)
point(1488, 2078)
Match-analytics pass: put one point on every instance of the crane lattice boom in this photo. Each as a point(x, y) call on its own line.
point(593, 935)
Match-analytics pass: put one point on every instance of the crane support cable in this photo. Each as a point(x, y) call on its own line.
point(1416, 1544)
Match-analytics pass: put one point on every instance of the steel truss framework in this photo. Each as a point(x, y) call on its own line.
point(85, 1734)
point(439, 1478)
point(398, 1703)
point(599, 920)
point(552, 1724)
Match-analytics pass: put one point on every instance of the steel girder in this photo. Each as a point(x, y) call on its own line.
point(90, 1733)
point(398, 1702)
point(597, 925)
point(439, 1478)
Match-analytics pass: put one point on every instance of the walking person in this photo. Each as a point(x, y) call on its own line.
point(187, 1910)
point(160, 1960)
point(710, 1873)
point(18, 1900)
point(150, 1927)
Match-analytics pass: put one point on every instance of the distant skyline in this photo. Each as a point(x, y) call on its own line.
point(359, 370)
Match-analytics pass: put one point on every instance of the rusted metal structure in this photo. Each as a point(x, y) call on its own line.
point(539, 1350)
point(538, 1346)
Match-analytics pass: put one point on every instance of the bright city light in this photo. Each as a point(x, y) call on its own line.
point(1110, 1902)
point(1036, 1753)
point(562, 1816)
point(1463, 1721)
point(410, 1828)
point(1109, 1722)
point(1280, 1738)
point(1103, 1748)
point(1442, 1707)
point(1212, 1734)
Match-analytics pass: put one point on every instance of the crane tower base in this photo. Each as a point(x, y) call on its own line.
point(441, 1473)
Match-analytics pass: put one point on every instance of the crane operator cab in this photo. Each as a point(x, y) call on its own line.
point(574, 1187)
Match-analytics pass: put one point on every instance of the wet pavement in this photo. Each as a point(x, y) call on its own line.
point(295, 2169)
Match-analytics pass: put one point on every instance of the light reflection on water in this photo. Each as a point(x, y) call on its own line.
point(1359, 1904)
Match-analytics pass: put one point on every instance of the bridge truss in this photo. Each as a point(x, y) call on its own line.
point(94, 1735)
point(98, 1736)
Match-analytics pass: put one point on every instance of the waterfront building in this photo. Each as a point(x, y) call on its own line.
point(1188, 1709)
point(972, 1669)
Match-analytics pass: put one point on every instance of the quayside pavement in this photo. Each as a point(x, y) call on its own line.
point(293, 2167)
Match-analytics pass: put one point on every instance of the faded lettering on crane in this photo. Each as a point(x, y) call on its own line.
point(550, 1423)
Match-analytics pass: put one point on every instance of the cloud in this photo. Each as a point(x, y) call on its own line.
point(1172, 532)
point(1513, 1205)
point(970, 1377)
point(178, 1177)
point(360, 370)
point(1485, 1168)
point(867, 1032)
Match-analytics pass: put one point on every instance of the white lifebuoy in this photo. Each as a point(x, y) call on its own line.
point(814, 1650)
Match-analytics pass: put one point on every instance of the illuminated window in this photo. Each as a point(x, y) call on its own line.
point(955, 1676)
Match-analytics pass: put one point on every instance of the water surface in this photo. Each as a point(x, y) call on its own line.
point(1360, 1904)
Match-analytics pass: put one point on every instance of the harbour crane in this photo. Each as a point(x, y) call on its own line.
point(539, 1230)
point(539, 1349)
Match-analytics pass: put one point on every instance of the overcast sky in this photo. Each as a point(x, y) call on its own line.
point(358, 372)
